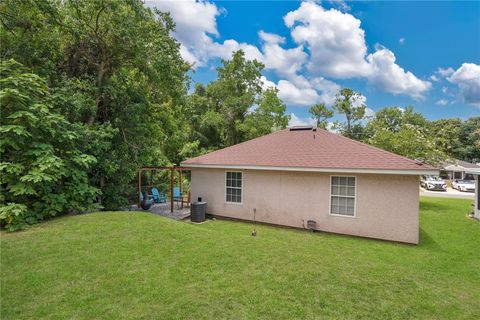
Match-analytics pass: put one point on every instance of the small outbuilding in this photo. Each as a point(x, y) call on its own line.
point(306, 177)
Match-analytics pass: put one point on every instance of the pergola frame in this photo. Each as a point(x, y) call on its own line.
point(172, 180)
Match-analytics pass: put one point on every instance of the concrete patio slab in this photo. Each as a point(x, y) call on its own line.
point(163, 209)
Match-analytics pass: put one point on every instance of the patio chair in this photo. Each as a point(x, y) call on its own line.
point(145, 203)
point(177, 195)
point(158, 197)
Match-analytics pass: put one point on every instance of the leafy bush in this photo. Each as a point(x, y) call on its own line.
point(43, 172)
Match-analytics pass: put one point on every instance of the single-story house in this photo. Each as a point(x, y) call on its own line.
point(457, 169)
point(303, 173)
point(476, 174)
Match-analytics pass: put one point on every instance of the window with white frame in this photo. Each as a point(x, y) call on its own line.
point(342, 195)
point(233, 186)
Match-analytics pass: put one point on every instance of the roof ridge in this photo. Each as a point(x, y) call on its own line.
point(368, 145)
point(238, 144)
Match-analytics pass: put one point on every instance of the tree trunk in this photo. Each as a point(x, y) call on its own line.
point(102, 184)
point(349, 126)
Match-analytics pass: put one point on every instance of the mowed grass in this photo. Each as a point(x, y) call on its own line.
point(125, 265)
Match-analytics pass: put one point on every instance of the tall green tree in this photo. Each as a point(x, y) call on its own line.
point(446, 133)
point(233, 108)
point(43, 170)
point(269, 116)
point(207, 124)
point(469, 141)
point(393, 118)
point(119, 63)
point(321, 113)
point(404, 132)
point(350, 104)
point(234, 93)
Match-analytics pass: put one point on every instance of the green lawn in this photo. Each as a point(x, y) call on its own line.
point(127, 265)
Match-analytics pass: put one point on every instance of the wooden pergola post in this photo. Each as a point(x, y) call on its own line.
point(139, 187)
point(172, 169)
point(180, 181)
point(181, 194)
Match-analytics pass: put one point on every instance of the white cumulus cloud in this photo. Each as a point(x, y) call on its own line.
point(328, 89)
point(286, 62)
point(297, 121)
point(270, 37)
point(335, 40)
point(328, 44)
point(299, 91)
point(338, 49)
point(467, 78)
point(389, 76)
point(224, 50)
point(292, 94)
point(193, 33)
point(196, 28)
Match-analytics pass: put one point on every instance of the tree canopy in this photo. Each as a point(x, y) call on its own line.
point(321, 113)
point(235, 107)
point(43, 167)
point(350, 104)
point(403, 132)
point(119, 71)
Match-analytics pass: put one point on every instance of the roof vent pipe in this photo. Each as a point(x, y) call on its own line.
point(419, 161)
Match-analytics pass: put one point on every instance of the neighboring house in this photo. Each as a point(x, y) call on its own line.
point(476, 174)
point(304, 173)
point(457, 169)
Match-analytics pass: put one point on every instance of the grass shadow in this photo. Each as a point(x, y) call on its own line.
point(427, 242)
point(431, 206)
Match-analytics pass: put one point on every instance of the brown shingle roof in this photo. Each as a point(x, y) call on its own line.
point(318, 149)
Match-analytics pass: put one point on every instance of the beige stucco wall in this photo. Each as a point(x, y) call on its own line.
point(386, 205)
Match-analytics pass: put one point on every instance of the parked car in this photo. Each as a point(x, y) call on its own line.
point(433, 183)
point(464, 185)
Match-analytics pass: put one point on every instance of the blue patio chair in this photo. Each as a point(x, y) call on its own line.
point(177, 195)
point(158, 197)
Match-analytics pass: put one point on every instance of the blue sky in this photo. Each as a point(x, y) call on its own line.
point(424, 54)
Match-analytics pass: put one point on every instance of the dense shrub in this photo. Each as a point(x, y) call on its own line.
point(43, 172)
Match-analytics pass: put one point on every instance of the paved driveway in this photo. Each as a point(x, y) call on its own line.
point(450, 193)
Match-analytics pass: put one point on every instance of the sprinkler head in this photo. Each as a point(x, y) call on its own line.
point(254, 233)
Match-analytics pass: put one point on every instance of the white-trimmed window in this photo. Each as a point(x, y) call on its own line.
point(342, 195)
point(233, 186)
